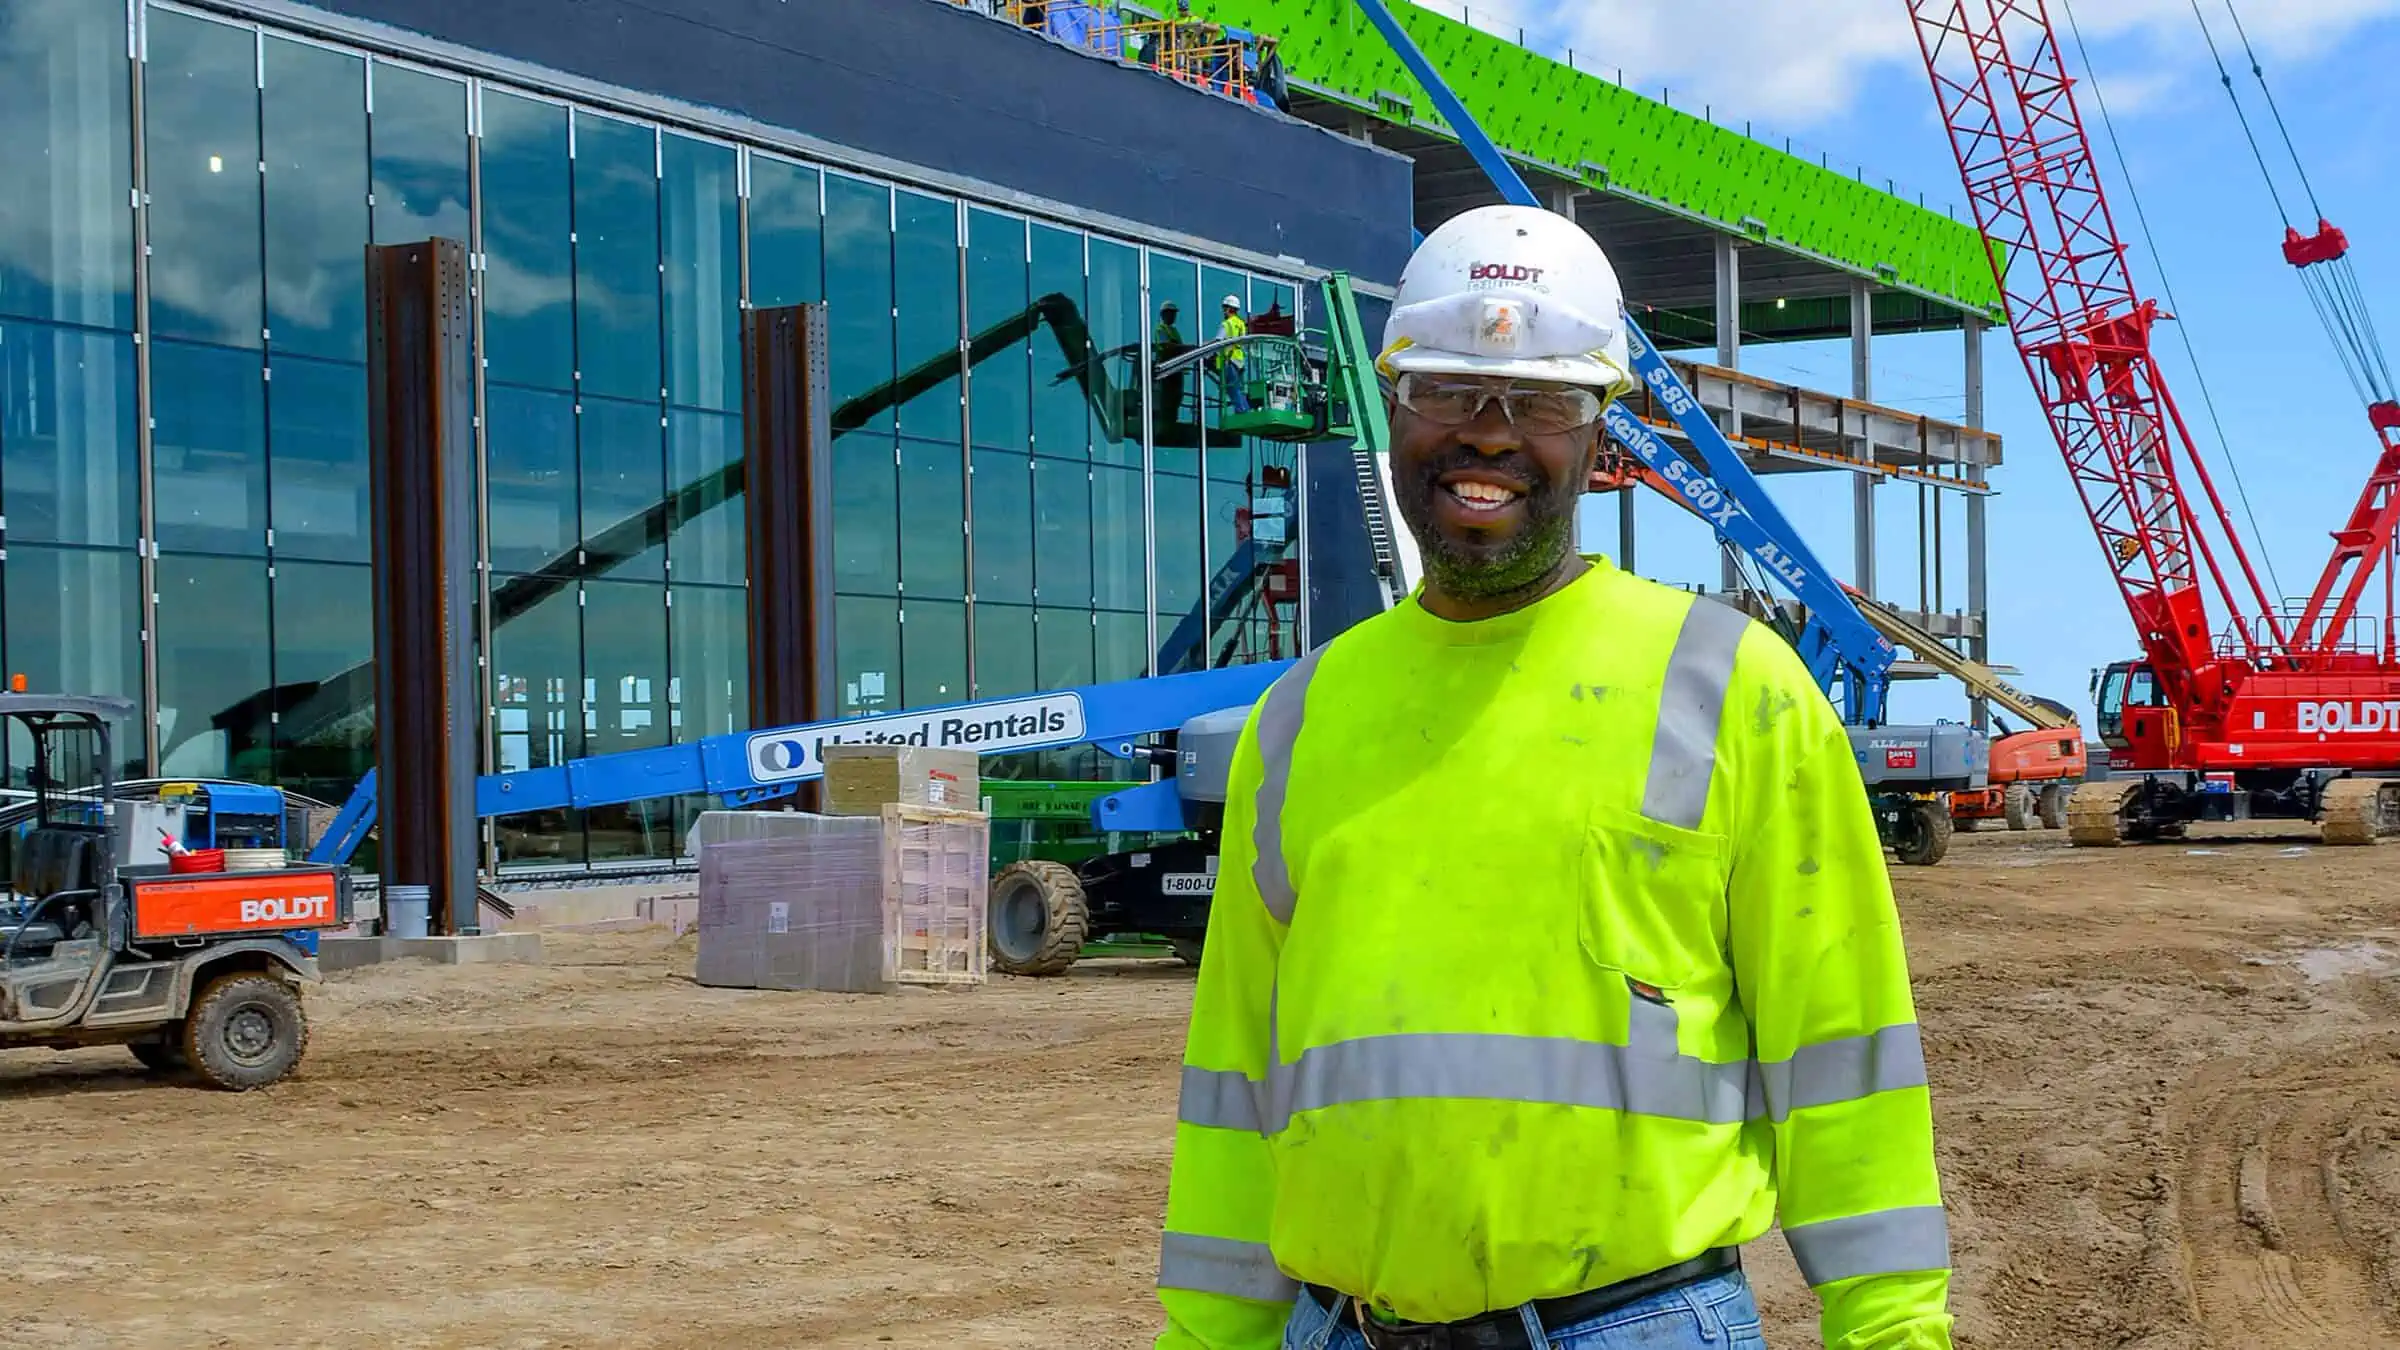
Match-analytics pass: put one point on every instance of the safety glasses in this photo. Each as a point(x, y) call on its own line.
point(1538, 408)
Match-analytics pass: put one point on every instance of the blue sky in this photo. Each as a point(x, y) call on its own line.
point(1844, 77)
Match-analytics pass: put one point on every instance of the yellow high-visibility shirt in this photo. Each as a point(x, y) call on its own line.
point(1547, 951)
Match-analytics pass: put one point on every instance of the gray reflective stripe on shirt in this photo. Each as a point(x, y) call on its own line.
point(1885, 1242)
point(1683, 753)
point(1220, 1099)
point(1214, 1265)
point(1278, 731)
point(1545, 1070)
point(1844, 1070)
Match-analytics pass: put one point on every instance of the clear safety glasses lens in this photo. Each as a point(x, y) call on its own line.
point(1538, 408)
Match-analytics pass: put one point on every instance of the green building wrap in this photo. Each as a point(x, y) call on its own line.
point(1579, 126)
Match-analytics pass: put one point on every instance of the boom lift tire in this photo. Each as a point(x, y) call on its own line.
point(2053, 799)
point(245, 1031)
point(1924, 832)
point(2096, 813)
point(2359, 811)
point(2016, 803)
point(1187, 950)
point(1037, 918)
point(164, 1055)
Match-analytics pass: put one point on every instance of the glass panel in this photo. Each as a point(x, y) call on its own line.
point(213, 648)
point(866, 516)
point(210, 448)
point(1003, 527)
point(624, 481)
point(1116, 319)
point(70, 462)
point(710, 688)
point(1217, 285)
point(616, 257)
point(317, 450)
point(625, 707)
point(1062, 513)
point(529, 261)
point(75, 627)
point(1176, 499)
point(858, 291)
point(786, 234)
point(706, 542)
point(1064, 644)
point(1003, 651)
point(998, 383)
point(531, 478)
point(1180, 323)
point(1124, 642)
point(933, 636)
point(200, 107)
point(315, 120)
point(933, 544)
point(866, 654)
point(66, 153)
point(537, 684)
point(704, 275)
point(925, 290)
point(1117, 555)
point(1060, 425)
point(324, 676)
point(420, 142)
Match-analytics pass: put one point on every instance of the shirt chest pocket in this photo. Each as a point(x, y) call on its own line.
point(1653, 898)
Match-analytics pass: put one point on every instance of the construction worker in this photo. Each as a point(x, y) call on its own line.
point(1229, 361)
point(1552, 955)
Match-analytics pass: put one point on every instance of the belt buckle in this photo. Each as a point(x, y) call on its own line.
point(1414, 1336)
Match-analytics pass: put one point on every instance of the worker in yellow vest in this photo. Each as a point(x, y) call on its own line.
point(1552, 956)
point(1229, 361)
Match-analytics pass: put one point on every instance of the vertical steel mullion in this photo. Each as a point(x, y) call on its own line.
point(1300, 535)
point(145, 408)
point(266, 396)
point(741, 320)
point(966, 445)
point(488, 830)
point(666, 400)
point(575, 697)
point(1149, 386)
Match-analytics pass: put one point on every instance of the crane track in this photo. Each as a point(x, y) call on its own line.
point(2360, 811)
point(2096, 813)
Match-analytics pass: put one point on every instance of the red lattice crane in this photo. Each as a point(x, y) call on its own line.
point(2283, 711)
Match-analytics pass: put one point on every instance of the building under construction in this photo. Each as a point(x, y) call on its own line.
point(1010, 213)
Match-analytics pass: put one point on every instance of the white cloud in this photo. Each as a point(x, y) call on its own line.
point(1798, 65)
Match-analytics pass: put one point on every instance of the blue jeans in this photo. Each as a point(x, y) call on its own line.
point(1717, 1313)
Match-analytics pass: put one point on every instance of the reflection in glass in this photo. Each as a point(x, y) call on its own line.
point(1062, 514)
point(624, 478)
point(786, 234)
point(324, 677)
point(1115, 313)
point(1063, 647)
point(704, 274)
point(998, 385)
point(69, 458)
point(866, 515)
point(1003, 528)
point(537, 696)
point(1060, 425)
point(315, 121)
point(213, 650)
point(858, 289)
point(75, 627)
point(529, 261)
point(705, 540)
point(66, 154)
point(866, 645)
point(1175, 500)
point(925, 291)
point(616, 257)
point(933, 545)
point(1177, 321)
point(420, 124)
point(200, 109)
point(531, 457)
point(1123, 641)
point(933, 638)
point(625, 708)
point(209, 451)
point(317, 453)
point(710, 687)
point(1004, 650)
point(1117, 555)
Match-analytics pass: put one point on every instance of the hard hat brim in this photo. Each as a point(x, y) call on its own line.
point(1588, 371)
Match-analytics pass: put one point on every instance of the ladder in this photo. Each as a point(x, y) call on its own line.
point(1350, 366)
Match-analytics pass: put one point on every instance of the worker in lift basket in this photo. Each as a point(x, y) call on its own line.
point(1552, 955)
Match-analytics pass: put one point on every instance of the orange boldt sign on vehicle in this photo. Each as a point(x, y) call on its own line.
point(235, 902)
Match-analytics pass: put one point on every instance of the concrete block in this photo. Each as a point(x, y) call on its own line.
point(351, 953)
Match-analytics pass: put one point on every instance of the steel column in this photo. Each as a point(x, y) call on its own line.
point(1979, 646)
point(787, 444)
point(421, 446)
point(1729, 355)
point(1862, 388)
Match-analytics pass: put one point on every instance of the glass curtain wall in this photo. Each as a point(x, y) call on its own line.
point(1005, 519)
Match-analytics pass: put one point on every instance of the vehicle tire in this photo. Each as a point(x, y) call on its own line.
point(2054, 807)
point(164, 1055)
point(1187, 950)
point(2016, 803)
point(1924, 833)
point(1036, 918)
point(1967, 825)
point(246, 1030)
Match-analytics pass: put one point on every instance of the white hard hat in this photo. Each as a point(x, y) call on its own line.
point(1231, 302)
point(1510, 291)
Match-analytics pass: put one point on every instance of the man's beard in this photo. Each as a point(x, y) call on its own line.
point(1510, 565)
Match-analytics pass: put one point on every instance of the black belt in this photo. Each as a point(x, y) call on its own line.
point(1505, 1329)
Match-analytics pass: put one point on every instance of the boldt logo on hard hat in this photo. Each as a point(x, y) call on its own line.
point(1531, 276)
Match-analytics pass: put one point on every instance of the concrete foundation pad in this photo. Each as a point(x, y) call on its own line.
point(350, 953)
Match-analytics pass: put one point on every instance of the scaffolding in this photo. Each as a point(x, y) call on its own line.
point(1204, 55)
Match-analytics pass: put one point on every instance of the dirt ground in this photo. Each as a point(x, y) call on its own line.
point(2168, 1095)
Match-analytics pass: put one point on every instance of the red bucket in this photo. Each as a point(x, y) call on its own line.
point(198, 860)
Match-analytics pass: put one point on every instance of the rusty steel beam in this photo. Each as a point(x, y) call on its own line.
point(787, 458)
point(421, 466)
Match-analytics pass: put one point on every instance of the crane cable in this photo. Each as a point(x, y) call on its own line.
point(2332, 282)
point(2167, 288)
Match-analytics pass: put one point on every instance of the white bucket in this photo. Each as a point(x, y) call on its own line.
point(407, 911)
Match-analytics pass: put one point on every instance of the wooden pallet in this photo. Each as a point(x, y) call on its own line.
point(935, 889)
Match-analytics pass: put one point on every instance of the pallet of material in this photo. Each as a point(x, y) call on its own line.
point(935, 883)
point(860, 779)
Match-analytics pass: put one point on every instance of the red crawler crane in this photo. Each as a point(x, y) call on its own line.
point(2280, 714)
